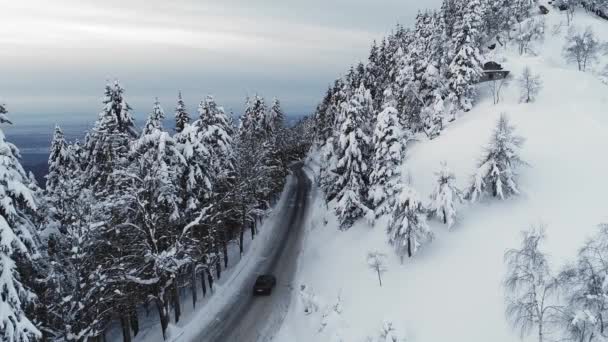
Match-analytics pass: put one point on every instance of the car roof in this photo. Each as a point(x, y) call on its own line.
point(265, 277)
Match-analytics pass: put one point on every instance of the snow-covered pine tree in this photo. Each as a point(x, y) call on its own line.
point(408, 230)
point(275, 117)
point(423, 78)
point(196, 181)
point(78, 302)
point(105, 165)
point(59, 161)
point(252, 122)
point(107, 144)
point(252, 185)
point(329, 144)
point(157, 251)
point(465, 67)
point(352, 167)
point(373, 75)
point(216, 133)
point(155, 120)
point(181, 115)
point(278, 159)
point(18, 247)
point(323, 122)
point(327, 177)
point(389, 149)
point(444, 196)
point(496, 173)
point(254, 141)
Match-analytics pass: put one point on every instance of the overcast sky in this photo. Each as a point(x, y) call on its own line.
point(55, 56)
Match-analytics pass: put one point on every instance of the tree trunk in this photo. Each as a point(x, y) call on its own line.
point(242, 230)
point(126, 330)
point(100, 338)
point(203, 284)
point(540, 330)
point(242, 235)
point(134, 320)
point(445, 217)
point(225, 247)
point(253, 224)
point(218, 263)
point(162, 315)
point(193, 281)
point(409, 247)
point(379, 277)
point(176, 305)
point(210, 278)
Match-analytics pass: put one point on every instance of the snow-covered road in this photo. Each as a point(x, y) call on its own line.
point(247, 318)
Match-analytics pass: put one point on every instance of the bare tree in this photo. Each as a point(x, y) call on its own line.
point(528, 31)
point(377, 262)
point(584, 282)
point(529, 286)
point(496, 86)
point(388, 333)
point(582, 48)
point(530, 84)
point(569, 10)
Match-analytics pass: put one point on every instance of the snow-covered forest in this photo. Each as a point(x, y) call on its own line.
point(460, 195)
point(127, 217)
point(431, 157)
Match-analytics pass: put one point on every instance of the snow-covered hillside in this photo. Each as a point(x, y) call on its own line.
point(452, 290)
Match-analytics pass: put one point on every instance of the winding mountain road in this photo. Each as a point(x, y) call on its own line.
point(256, 319)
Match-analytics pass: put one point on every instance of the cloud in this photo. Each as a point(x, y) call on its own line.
point(66, 49)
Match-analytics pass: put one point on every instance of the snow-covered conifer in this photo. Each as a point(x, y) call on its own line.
point(444, 196)
point(155, 120)
point(158, 251)
point(496, 173)
point(252, 122)
point(216, 133)
point(17, 243)
point(465, 67)
point(352, 167)
point(408, 230)
point(59, 160)
point(107, 144)
point(389, 148)
point(181, 115)
point(275, 117)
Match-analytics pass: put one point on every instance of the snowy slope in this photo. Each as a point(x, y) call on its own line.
point(452, 290)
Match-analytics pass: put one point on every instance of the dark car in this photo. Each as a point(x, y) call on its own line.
point(264, 284)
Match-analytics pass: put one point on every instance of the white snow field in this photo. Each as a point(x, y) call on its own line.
point(452, 290)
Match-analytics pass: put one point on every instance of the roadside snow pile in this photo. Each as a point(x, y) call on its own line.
point(451, 290)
